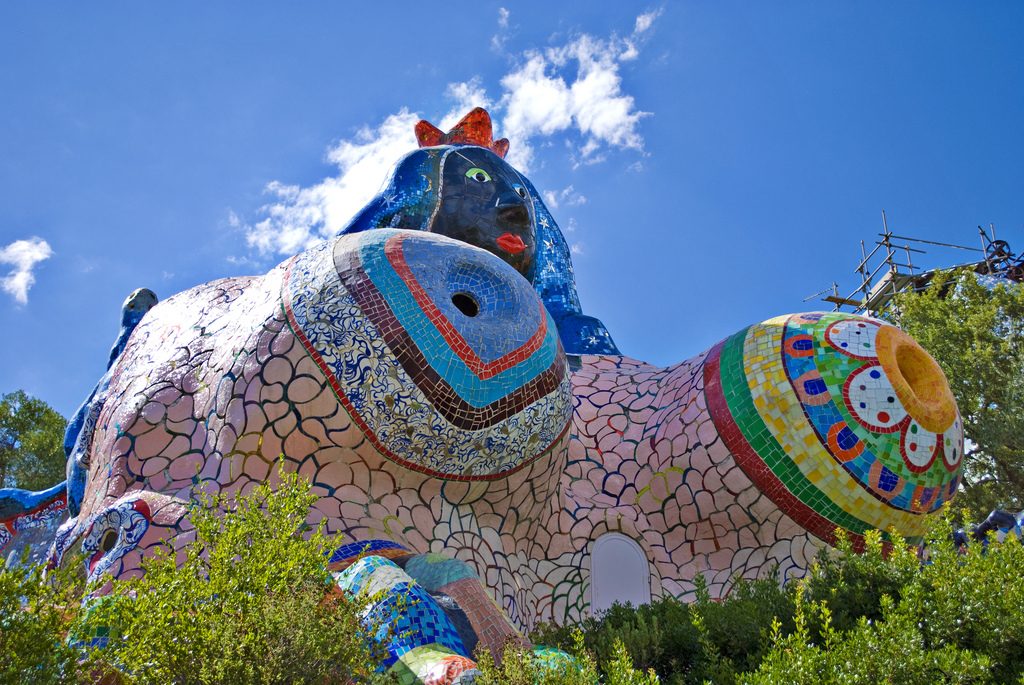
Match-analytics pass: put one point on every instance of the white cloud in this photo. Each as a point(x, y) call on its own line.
point(464, 96)
point(544, 96)
point(499, 39)
point(645, 21)
point(572, 90)
point(566, 196)
point(297, 217)
point(22, 256)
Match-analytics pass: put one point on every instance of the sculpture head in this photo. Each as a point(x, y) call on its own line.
point(484, 202)
point(136, 305)
point(458, 185)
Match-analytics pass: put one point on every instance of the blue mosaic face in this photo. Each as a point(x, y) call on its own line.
point(484, 202)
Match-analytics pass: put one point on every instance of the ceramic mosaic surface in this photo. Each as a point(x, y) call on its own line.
point(459, 185)
point(421, 385)
point(843, 420)
point(434, 389)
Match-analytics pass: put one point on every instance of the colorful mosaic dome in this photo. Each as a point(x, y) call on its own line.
point(442, 353)
point(842, 420)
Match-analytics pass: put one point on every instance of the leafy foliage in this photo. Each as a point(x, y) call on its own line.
point(34, 617)
point(883, 616)
point(707, 640)
point(853, 585)
point(976, 334)
point(248, 602)
point(31, 443)
point(958, 618)
point(522, 667)
point(892, 650)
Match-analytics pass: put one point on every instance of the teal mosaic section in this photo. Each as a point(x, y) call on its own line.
point(434, 571)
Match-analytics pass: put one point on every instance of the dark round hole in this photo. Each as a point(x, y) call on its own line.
point(108, 541)
point(466, 304)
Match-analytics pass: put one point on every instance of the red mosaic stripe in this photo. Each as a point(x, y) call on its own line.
point(752, 464)
point(59, 503)
point(483, 370)
point(293, 324)
point(441, 394)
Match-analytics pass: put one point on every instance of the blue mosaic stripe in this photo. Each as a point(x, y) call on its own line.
point(351, 550)
point(436, 349)
point(412, 618)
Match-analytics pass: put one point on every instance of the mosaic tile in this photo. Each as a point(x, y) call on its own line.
point(451, 440)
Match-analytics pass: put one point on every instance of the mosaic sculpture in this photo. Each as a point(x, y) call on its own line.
point(421, 384)
point(458, 184)
point(34, 516)
point(999, 522)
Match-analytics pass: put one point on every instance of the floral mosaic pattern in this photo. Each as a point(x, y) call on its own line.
point(113, 533)
point(814, 416)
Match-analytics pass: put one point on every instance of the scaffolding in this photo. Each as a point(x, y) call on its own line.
point(890, 276)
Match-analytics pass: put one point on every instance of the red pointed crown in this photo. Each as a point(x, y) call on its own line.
point(472, 129)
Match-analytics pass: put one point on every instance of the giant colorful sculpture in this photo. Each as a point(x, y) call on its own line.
point(415, 370)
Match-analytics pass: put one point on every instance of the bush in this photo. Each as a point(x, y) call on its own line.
point(880, 616)
point(251, 602)
point(853, 584)
point(892, 650)
point(708, 640)
point(872, 618)
point(520, 666)
point(974, 600)
point(735, 630)
point(34, 617)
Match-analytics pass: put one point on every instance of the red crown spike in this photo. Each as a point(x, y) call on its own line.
point(427, 134)
point(472, 129)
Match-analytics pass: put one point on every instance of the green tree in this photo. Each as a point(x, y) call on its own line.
point(31, 443)
point(976, 334)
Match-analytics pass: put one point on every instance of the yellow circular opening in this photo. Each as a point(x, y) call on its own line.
point(917, 379)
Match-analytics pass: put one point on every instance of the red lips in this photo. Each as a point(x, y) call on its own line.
point(512, 244)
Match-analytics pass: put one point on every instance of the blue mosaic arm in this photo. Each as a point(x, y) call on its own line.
point(1001, 521)
point(15, 502)
point(416, 639)
point(555, 281)
point(79, 431)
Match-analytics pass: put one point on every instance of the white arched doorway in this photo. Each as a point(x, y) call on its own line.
point(619, 572)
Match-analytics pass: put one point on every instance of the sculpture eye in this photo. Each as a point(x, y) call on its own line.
point(478, 174)
point(521, 191)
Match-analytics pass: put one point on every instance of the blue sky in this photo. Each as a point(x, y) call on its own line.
point(711, 163)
